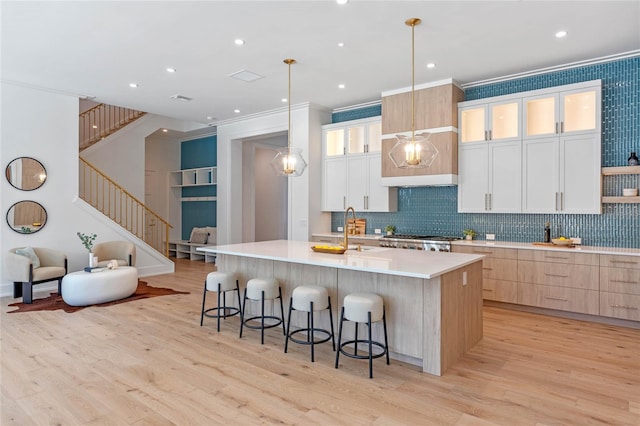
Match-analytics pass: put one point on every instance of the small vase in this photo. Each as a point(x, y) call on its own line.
point(469, 237)
point(92, 260)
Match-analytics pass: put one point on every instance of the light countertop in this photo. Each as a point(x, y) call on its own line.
point(530, 246)
point(408, 263)
point(341, 234)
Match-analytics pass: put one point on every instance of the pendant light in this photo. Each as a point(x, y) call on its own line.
point(415, 151)
point(288, 161)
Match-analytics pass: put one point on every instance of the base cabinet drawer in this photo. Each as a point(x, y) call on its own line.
point(618, 280)
point(618, 261)
point(560, 298)
point(489, 252)
point(559, 256)
point(559, 274)
point(500, 269)
point(500, 291)
point(618, 305)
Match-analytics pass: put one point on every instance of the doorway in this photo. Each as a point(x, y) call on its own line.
point(265, 195)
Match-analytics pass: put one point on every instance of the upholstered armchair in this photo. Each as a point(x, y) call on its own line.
point(25, 272)
point(124, 252)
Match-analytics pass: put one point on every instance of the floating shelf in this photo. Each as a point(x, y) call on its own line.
point(625, 200)
point(198, 198)
point(622, 170)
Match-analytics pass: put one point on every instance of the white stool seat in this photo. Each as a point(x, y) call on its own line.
point(227, 281)
point(302, 297)
point(256, 286)
point(358, 305)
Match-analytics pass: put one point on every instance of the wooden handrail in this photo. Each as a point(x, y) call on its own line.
point(103, 120)
point(115, 202)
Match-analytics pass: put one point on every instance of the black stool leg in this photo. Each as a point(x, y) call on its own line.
point(281, 309)
point(339, 336)
point(355, 346)
point(286, 340)
point(244, 306)
point(218, 305)
point(310, 335)
point(333, 337)
point(262, 319)
point(204, 297)
point(239, 299)
point(370, 348)
point(384, 324)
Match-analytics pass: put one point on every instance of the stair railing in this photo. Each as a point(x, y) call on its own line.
point(103, 120)
point(119, 205)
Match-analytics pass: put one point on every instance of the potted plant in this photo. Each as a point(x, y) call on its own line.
point(87, 242)
point(469, 234)
point(390, 229)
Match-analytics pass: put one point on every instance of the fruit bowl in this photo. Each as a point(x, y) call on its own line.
point(562, 242)
point(329, 249)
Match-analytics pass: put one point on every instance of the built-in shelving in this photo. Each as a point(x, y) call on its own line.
point(616, 171)
point(194, 177)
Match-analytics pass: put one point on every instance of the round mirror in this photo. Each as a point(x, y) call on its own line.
point(26, 217)
point(26, 173)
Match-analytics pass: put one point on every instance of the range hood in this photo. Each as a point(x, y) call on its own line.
point(436, 109)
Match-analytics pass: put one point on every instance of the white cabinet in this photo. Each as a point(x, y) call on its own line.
point(549, 162)
point(352, 171)
point(494, 121)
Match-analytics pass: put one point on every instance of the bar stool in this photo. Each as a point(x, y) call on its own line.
point(220, 282)
point(310, 299)
point(259, 290)
point(364, 308)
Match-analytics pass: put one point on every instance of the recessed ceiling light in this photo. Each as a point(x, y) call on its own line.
point(133, 84)
point(340, 86)
point(561, 34)
point(171, 70)
point(94, 126)
point(284, 99)
point(165, 130)
point(431, 65)
point(342, 1)
point(209, 117)
point(341, 44)
point(236, 111)
point(238, 42)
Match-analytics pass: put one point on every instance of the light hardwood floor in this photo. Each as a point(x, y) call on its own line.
point(148, 362)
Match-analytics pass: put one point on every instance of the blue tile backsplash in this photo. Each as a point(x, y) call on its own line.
point(433, 210)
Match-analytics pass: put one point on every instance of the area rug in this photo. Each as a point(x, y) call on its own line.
point(54, 302)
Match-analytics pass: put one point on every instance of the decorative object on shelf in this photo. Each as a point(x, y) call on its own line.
point(87, 242)
point(415, 151)
point(390, 229)
point(26, 173)
point(630, 192)
point(26, 217)
point(633, 160)
point(288, 161)
point(469, 234)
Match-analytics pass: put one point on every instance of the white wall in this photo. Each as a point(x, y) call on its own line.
point(304, 213)
point(44, 126)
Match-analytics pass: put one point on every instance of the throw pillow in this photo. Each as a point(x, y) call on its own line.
point(31, 254)
point(198, 236)
point(212, 238)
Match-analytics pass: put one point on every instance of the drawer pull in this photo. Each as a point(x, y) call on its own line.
point(633, 308)
point(555, 275)
point(487, 269)
point(624, 282)
point(487, 289)
point(629, 262)
point(482, 251)
point(556, 298)
point(557, 257)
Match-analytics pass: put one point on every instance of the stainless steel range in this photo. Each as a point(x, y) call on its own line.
point(418, 242)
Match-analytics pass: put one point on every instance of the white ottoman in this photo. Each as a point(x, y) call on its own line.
point(90, 288)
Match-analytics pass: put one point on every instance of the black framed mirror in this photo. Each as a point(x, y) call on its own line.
point(26, 217)
point(26, 173)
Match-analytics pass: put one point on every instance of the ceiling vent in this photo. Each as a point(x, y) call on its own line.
point(180, 98)
point(245, 75)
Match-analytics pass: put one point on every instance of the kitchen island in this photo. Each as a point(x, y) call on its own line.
point(433, 300)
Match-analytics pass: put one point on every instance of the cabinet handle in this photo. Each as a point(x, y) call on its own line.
point(557, 298)
point(490, 201)
point(487, 269)
point(487, 289)
point(624, 282)
point(562, 201)
point(633, 308)
point(344, 202)
point(490, 134)
point(562, 127)
point(485, 135)
point(485, 201)
point(482, 252)
point(556, 257)
point(556, 127)
point(555, 275)
point(556, 208)
point(630, 262)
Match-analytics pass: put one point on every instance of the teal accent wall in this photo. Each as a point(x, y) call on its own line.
point(193, 154)
point(433, 210)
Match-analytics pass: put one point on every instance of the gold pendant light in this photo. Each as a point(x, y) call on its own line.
point(288, 161)
point(415, 151)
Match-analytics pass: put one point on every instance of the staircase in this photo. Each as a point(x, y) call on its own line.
point(107, 196)
point(103, 120)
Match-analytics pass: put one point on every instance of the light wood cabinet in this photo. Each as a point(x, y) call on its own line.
point(620, 287)
point(499, 272)
point(559, 298)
